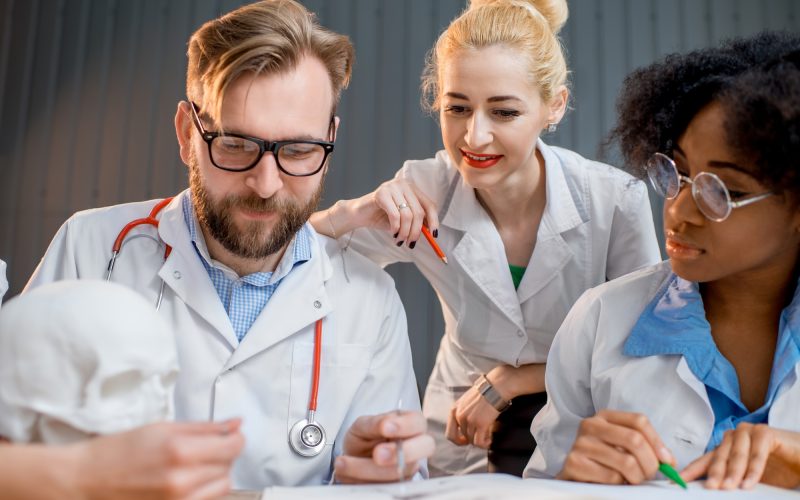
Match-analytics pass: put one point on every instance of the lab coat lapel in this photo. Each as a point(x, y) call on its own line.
point(562, 213)
point(786, 407)
point(480, 250)
point(299, 301)
point(697, 386)
point(185, 275)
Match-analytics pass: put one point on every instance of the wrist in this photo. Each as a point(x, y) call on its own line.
point(71, 473)
point(491, 395)
point(502, 378)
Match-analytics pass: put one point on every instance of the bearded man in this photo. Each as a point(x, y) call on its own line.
point(273, 323)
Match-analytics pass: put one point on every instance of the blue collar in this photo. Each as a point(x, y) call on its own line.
point(674, 323)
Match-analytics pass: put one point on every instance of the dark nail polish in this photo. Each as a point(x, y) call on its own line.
point(399, 243)
point(396, 234)
point(412, 244)
point(435, 233)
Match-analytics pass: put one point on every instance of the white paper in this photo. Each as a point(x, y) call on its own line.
point(496, 486)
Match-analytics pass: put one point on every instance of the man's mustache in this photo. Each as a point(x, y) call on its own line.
point(255, 203)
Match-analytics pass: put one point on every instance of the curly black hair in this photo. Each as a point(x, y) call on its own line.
point(756, 79)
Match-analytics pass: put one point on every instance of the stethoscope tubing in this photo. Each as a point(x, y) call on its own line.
point(151, 220)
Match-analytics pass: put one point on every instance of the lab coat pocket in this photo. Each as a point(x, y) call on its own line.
point(342, 369)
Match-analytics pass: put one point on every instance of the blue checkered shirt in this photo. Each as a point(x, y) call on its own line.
point(245, 297)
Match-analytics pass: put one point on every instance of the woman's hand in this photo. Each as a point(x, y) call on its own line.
point(747, 455)
point(615, 447)
point(471, 420)
point(401, 208)
point(396, 206)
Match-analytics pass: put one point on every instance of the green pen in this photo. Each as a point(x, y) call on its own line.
point(672, 474)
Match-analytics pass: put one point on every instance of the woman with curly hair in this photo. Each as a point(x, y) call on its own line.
point(526, 227)
point(695, 362)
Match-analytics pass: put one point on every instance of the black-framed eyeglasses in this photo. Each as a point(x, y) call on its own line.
point(708, 191)
point(237, 153)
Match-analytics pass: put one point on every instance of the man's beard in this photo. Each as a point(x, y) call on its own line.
point(254, 240)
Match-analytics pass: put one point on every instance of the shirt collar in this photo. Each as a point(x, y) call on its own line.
point(299, 251)
point(674, 323)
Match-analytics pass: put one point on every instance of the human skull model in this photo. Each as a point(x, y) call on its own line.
point(79, 358)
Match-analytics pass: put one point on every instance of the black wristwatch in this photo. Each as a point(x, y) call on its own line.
point(490, 394)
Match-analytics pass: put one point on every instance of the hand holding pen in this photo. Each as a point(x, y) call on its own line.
point(616, 447)
point(371, 448)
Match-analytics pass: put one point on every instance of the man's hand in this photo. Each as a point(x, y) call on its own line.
point(164, 460)
point(615, 447)
point(747, 455)
point(370, 447)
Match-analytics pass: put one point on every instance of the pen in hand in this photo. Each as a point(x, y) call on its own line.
point(672, 474)
point(401, 459)
point(427, 233)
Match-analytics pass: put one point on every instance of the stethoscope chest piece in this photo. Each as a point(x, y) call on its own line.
point(307, 438)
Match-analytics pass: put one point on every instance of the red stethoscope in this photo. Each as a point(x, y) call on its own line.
point(306, 437)
point(150, 220)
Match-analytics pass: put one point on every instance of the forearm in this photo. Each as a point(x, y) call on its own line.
point(35, 471)
point(511, 382)
point(338, 220)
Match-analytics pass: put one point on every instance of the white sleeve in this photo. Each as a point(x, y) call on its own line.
point(390, 377)
point(3, 280)
point(569, 389)
point(632, 243)
point(58, 262)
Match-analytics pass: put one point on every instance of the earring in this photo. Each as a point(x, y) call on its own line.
point(551, 127)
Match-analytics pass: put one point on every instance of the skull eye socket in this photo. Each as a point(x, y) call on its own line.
point(121, 383)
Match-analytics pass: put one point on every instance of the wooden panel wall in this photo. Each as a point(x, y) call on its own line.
point(88, 89)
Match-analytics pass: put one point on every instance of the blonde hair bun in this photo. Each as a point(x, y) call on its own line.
point(555, 12)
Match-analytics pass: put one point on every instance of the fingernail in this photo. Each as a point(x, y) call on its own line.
point(748, 483)
point(399, 243)
point(390, 429)
point(396, 234)
point(383, 454)
point(727, 483)
point(435, 233)
point(666, 456)
point(339, 464)
point(412, 244)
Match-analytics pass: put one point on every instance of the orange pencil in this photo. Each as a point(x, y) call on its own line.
point(433, 243)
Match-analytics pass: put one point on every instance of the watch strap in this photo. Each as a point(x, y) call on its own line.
point(490, 394)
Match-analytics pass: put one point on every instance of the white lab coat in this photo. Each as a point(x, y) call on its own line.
point(266, 380)
point(3, 281)
point(587, 372)
point(597, 225)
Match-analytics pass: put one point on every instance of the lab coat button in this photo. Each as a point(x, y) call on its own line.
point(317, 304)
point(176, 274)
point(520, 334)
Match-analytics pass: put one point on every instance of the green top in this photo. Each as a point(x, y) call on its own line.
point(516, 274)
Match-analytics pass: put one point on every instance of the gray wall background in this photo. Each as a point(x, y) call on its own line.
point(88, 89)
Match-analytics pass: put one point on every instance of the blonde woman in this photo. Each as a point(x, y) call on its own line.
point(526, 227)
